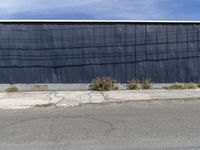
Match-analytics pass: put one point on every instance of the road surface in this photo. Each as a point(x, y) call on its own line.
point(132, 126)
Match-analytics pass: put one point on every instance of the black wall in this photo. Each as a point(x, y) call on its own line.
point(79, 52)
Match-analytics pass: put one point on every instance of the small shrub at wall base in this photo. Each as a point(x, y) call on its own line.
point(11, 88)
point(175, 86)
point(198, 85)
point(190, 85)
point(133, 85)
point(115, 88)
point(103, 84)
point(147, 84)
point(181, 86)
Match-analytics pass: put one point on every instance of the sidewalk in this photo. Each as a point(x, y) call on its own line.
point(23, 100)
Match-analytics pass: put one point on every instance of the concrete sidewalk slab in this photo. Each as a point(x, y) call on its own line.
point(20, 100)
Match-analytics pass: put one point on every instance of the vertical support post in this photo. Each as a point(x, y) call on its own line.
point(187, 55)
point(135, 50)
point(156, 54)
point(167, 51)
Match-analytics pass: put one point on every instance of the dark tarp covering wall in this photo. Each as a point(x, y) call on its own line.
point(79, 52)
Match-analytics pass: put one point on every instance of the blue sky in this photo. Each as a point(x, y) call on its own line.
point(100, 9)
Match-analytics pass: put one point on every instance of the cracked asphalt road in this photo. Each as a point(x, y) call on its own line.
point(131, 126)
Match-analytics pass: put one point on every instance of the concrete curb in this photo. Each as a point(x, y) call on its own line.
point(23, 100)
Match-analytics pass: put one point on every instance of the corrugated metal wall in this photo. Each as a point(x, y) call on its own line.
point(79, 52)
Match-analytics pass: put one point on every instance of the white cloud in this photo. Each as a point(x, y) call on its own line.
point(100, 9)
